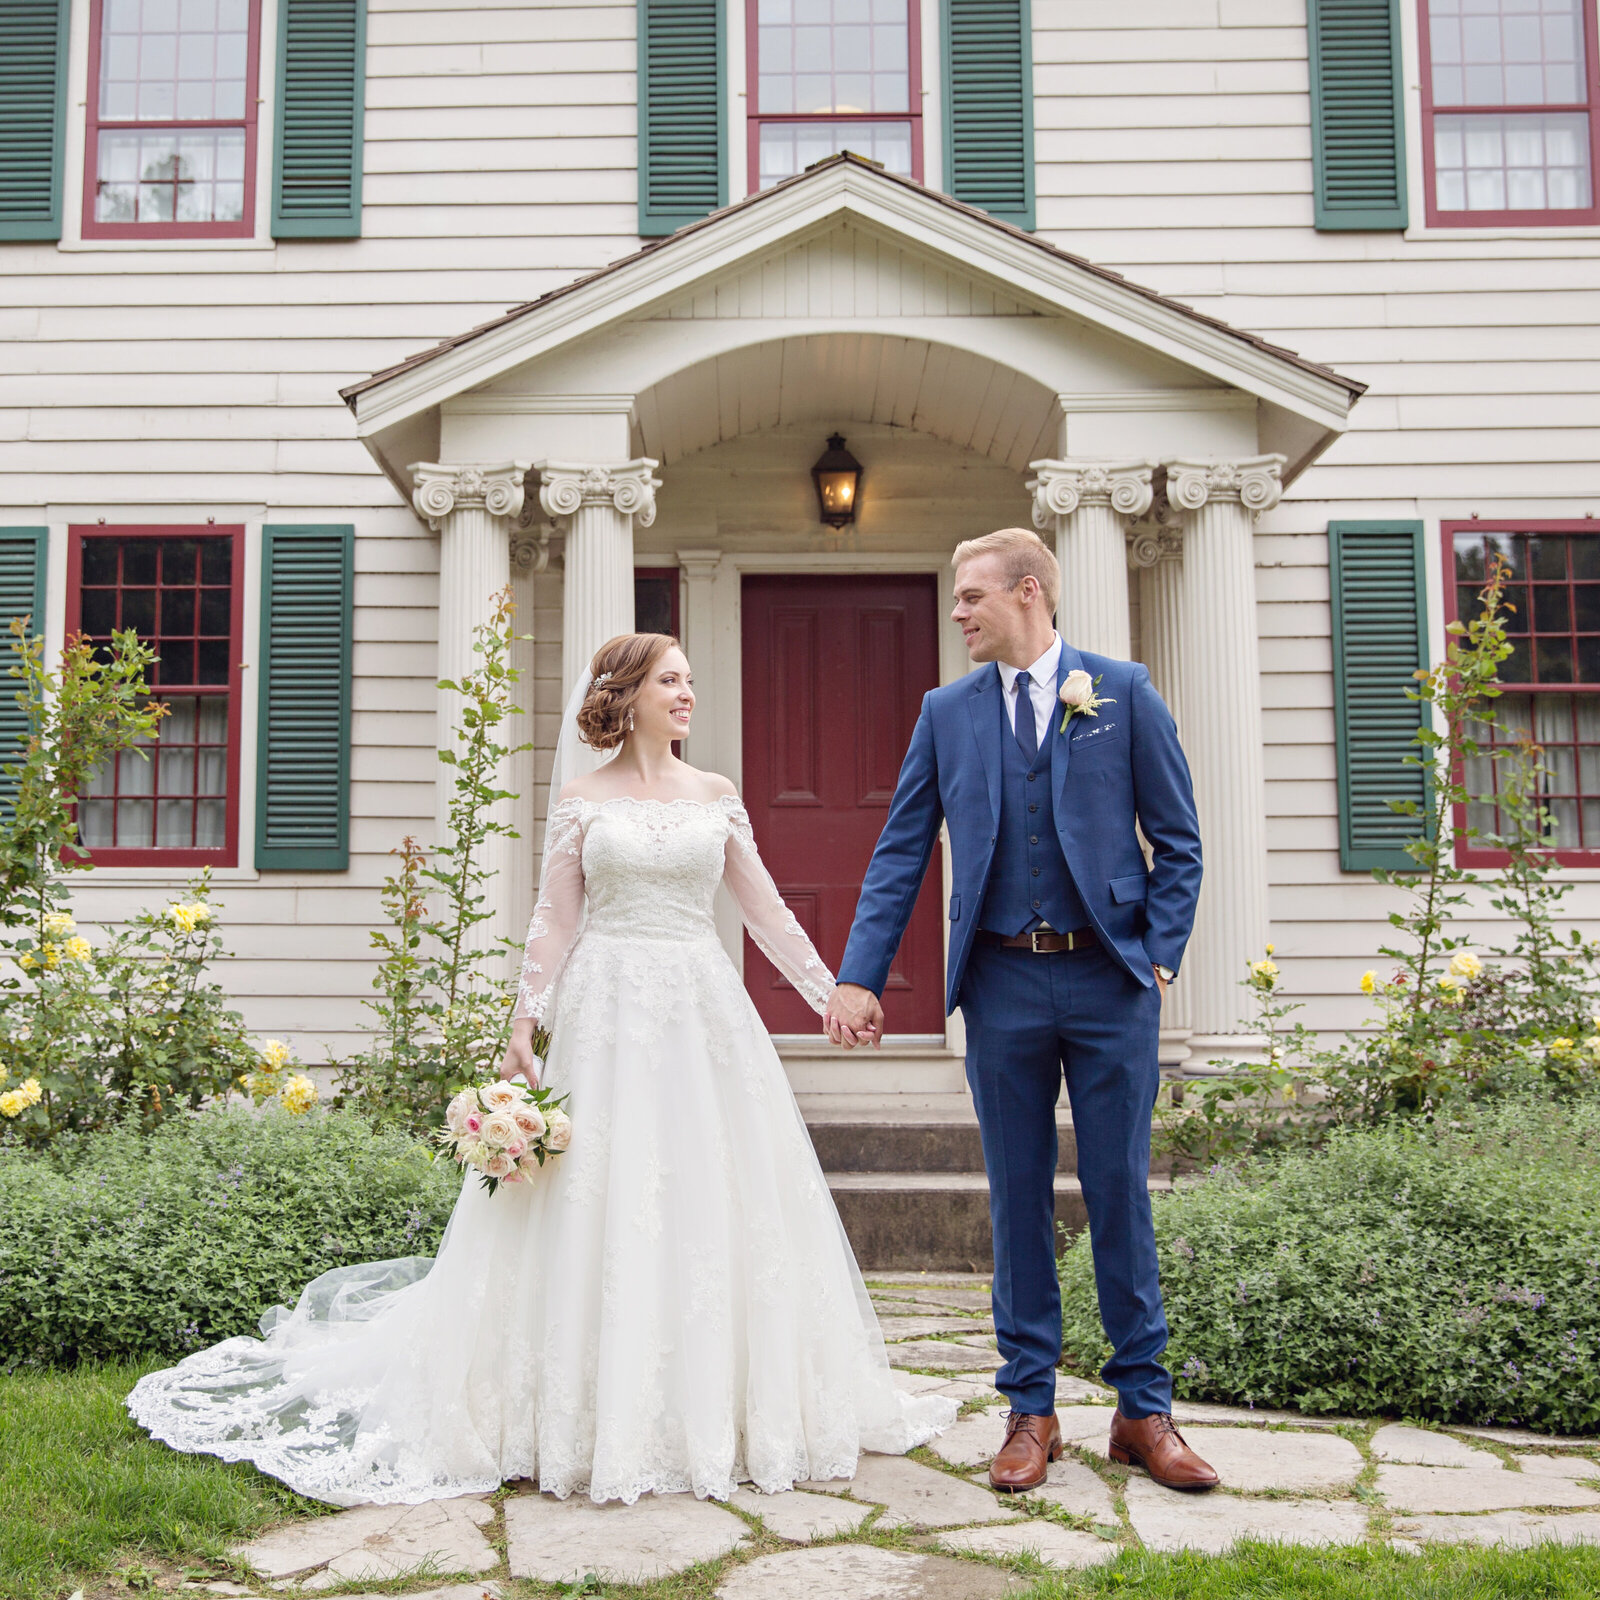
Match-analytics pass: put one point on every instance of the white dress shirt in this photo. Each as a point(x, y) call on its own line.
point(1041, 689)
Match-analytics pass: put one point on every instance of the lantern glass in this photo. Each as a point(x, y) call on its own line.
point(837, 475)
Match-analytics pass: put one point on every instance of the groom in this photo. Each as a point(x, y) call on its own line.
point(1062, 944)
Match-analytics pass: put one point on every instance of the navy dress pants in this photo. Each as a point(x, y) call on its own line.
point(1030, 1019)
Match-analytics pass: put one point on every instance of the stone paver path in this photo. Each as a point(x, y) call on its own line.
point(1301, 1480)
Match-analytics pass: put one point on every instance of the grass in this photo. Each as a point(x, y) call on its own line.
point(87, 1500)
point(83, 1492)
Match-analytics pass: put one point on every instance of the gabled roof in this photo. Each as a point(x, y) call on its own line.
point(1065, 282)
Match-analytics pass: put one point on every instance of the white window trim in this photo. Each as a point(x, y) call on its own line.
point(77, 140)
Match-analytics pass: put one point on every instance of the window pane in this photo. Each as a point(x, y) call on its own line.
point(818, 57)
point(1507, 53)
point(790, 147)
point(165, 60)
point(1537, 162)
point(166, 177)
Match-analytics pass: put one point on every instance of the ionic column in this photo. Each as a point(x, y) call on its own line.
point(597, 506)
point(1087, 504)
point(1155, 556)
point(1219, 678)
point(471, 509)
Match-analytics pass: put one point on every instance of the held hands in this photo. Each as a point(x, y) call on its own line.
point(853, 1017)
point(519, 1057)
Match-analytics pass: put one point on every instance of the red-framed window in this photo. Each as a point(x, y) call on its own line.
point(175, 801)
point(1552, 676)
point(655, 600)
point(831, 75)
point(170, 151)
point(1511, 127)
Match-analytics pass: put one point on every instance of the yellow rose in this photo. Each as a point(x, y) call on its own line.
point(298, 1095)
point(78, 948)
point(3, 1074)
point(1369, 980)
point(1560, 1048)
point(1592, 1043)
point(13, 1103)
point(30, 1091)
point(1271, 948)
point(59, 922)
point(276, 1054)
point(1264, 974)
point(1463, 964)
point(1450, 991)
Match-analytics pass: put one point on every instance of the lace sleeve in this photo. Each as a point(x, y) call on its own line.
point(772, 924)
point(556, 915)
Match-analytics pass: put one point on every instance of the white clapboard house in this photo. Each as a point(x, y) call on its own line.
point(324, 319)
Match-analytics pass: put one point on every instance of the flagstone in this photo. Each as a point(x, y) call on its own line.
point(941, 1357)
point(1573, 1468)
point(1086, 1424)
point(1186, 1411)
point(800, 1517)
point(937, 1383)
point(1167, 1521)
point(895, 1328)
point(1419, 1447)
point(1049, 1541)
point(1515, 1528)
point(915, 1496)
point(1076, 1488)
point(373, 1542)
point(559, 1541)
point(973, 1439)
point(1252, 1459)
point(1527, 1439)
point(864, 1572)
point(1421, 1489)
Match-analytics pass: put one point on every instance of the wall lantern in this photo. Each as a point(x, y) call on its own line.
point(837, 476)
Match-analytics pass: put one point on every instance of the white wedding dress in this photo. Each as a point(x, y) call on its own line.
point(670, 1306)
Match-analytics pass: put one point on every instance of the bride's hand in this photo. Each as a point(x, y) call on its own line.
point(519, 1057)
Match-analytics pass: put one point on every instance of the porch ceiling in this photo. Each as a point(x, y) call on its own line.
point(835, 379)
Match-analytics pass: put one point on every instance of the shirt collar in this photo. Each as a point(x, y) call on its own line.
point(1042, 671)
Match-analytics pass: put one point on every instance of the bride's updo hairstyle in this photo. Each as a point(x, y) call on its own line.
point(617, 674)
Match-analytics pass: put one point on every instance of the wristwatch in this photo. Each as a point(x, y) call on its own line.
point(1166, 974)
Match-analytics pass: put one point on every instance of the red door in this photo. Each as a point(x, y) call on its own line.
point(834, 674)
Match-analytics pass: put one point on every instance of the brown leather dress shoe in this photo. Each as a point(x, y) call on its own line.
point(1032, 1443)
point(1155, 1444)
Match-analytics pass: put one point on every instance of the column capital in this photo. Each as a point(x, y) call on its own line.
point(628, 487)
point(699, 563)
point(1256, 482)
point(441, 488)
point(1060, 487)
point(1147, 546)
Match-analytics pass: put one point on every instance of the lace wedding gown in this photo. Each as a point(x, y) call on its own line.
point(671, 1305)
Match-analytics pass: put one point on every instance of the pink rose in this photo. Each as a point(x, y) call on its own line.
point(529, 1120)
point(499, 1165)
point(515, 1149)
point(474, 1123)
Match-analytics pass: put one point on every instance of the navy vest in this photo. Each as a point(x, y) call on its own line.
point(1028, 879)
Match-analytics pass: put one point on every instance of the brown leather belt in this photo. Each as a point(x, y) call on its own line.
point(1041, 942)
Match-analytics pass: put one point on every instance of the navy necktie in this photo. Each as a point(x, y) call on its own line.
point(1027, 726)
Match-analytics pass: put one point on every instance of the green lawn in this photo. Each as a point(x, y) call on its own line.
point(84, 1492)
point(86, 1499)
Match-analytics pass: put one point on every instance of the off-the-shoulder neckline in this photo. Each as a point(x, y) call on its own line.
point(648, 800)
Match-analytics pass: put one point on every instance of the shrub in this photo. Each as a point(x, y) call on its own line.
point(116, 1245)
point(1449, 1271)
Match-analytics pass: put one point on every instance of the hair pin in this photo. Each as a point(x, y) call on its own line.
point(595, 683)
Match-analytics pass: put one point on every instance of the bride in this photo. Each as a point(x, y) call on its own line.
point(672, 1304)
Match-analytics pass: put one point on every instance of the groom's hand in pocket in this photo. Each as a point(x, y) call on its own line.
point(854, 1017)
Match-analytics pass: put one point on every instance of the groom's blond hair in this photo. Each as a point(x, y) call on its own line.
point(1022, 555)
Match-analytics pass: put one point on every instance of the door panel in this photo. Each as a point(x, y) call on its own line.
point(835, 669)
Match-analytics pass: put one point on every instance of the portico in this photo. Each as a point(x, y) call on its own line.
point(663, 412)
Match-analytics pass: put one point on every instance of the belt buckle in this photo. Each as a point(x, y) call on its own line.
point(1033, 942)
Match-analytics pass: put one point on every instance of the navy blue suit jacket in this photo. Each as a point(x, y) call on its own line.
point(1112, 770)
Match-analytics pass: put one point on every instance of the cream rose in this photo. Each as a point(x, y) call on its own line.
point(560, 1134)
point(500, 1165)
point(459, 1109)
point(499, 1130)
point(1077, 689)
point(499, 1096)
point(530, 1120)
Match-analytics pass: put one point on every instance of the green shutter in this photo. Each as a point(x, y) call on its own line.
point(1380, 641)
point(33, 99)
point(988, 98)
point(22, 574)
point(1358, 132)
point(316, 160)
point(683, 175)
point(303, 737)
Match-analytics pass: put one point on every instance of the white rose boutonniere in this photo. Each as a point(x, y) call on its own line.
point(1079, 697)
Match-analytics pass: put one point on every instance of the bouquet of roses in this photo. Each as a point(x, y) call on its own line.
point(505, 1130)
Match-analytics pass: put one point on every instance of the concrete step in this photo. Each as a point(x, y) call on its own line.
point(934, 1222)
